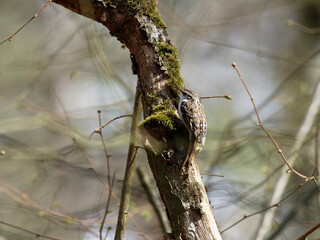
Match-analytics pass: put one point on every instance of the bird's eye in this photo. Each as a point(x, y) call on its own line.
point(188, 97)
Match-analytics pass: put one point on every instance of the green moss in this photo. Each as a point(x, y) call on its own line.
point(166, 118)
point(162, 107)
point(169, 59)
point(152, 97)
point(167, 54)
point(147, 8)
point(140, 8)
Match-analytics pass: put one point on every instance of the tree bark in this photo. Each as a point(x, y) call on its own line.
point(139, 27)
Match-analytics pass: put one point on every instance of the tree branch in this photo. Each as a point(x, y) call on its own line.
point(139, 27)
point(130, 168)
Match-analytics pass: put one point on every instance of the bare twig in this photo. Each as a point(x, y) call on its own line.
point(272, 206)
point(197, 33)
point(31, 232)
point(104, 148)
point(139, 228)
point(305, 128)
point(224, 96)
point(24, 200)
point(107, 207)
point(211, 175)
point(98, 130)
point(307, 233)
point(90, 164)
point(129, 172)
point(75, 219)
point(317, 152)
point(292, 213)
point(107, 187)
point(302, 28)
point(33, 17)
point(300, 138)
point(109, 178)
point(291, 169)
point(104, 67)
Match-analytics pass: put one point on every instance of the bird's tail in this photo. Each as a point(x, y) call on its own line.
point(191, 150)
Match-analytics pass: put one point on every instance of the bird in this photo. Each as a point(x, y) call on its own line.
point(192, 114)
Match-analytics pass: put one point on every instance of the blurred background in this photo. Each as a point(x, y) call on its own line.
point(62, 68)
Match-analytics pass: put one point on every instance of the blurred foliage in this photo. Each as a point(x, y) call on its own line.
point(62, 68)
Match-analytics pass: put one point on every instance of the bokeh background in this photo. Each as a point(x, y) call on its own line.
point(62, 68)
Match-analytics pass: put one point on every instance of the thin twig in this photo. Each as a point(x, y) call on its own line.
point(107, 187)
point(291, 213)
point(211, 175)
point(140, 229)
point(317, 152)
point(109, 178)
point(251, 190)
point(272, 206)
point(98, 130)
point(302, 28)
point(130, 167)
point(104, 148)
point(90, 164)
point(33, 17)
point(224, 96)
point(307, 233)
point(31, 232)
point(24, 200)
point(107, 208)
point(282, 182)
point(74, 218)
point(265, 130)
point(108, 230)
point(195, 32)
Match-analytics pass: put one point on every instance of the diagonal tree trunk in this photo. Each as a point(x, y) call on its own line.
point(137, 24)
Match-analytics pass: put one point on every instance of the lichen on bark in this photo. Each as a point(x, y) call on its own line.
point(164, 111)
point(138, 8)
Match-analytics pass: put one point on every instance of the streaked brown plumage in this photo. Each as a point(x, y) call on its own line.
point(193, 116)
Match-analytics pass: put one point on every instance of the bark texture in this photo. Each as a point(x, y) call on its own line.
point(139, 27)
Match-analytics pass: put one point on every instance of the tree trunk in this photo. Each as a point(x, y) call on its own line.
point(139, 27)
